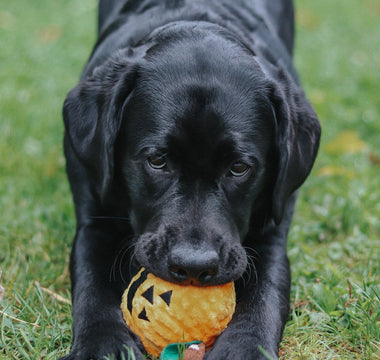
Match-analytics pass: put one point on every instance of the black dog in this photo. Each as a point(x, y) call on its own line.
point(186, 140)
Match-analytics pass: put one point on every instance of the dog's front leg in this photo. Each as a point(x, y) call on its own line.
point(98, 326)
point(261, 311)
point(262, 306)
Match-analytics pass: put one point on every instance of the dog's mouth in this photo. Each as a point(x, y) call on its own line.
point(186, 264)
point(202, 278)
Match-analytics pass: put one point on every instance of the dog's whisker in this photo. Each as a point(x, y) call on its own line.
point(125, 253)
point(112, 271)
point(132, 259)
point(118, 261)
point(121, 266)
point(251, 267)
point(114, 264)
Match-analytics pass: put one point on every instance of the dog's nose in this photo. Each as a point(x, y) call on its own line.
point(193, 267)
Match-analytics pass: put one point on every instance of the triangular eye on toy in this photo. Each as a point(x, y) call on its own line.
point(143, 316)
point(148, 294)
point(167, 296)
point(162, 313)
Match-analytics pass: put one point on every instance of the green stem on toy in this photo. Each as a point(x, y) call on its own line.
point(175, 351)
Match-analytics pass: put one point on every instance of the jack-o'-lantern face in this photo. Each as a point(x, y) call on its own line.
point(162, 313)
point(142, 289)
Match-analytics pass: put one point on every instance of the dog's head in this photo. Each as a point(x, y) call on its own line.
point(207, 143)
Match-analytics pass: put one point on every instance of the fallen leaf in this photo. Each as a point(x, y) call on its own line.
point(50, 33)
point(7, 20)
point(350, 302)
point(374, 159)
point(346, 142)
point(330, 170)
point(317, 96)
point(307, 19)
point(373, 7)
point(300, 303)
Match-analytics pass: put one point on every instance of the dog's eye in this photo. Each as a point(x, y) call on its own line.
point(239, 169)
point(157, 162)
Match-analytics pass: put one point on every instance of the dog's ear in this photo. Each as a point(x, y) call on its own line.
point(297, 140)
point(92, 114)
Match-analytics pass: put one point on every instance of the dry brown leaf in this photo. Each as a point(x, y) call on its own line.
point(317, 96)
point(7, 20)
point(50, 33)
point(330, 170)
point(346, 142)
point(307, 19)
point(374, 159)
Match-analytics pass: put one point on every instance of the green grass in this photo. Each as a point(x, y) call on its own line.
point(334, 244)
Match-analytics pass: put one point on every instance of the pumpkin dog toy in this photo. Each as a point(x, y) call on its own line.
point(163, 313)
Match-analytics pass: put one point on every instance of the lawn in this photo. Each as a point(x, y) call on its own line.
point(334, 243)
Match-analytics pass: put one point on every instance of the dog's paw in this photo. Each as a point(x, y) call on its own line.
point(112, 345)
point(227, 350)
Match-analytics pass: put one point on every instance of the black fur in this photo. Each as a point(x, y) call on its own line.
point(186, 140)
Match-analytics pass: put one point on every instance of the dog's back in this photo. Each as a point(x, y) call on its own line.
point(126, 23)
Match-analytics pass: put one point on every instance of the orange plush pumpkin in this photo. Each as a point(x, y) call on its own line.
point(162, 313)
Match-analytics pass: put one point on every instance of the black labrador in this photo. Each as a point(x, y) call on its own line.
point(186, 140)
